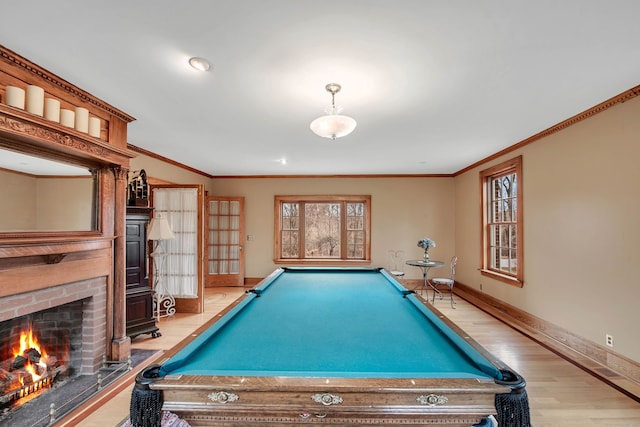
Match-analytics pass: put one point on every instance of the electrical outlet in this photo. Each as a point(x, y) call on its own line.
point(608, 340)
point(480, 286)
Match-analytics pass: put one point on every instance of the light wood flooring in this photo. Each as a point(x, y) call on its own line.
point(560, 394)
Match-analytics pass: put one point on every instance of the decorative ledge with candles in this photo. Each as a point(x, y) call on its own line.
point(33, 101)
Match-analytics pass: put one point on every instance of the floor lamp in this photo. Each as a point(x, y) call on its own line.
point(159, 231)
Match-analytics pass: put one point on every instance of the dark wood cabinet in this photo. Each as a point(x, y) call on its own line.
point(140, 319)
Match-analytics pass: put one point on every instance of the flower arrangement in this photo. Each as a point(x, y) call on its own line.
point(426, 243)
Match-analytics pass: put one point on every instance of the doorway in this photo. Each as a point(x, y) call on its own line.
point(224, 243)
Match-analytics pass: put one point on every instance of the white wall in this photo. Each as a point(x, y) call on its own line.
point(158, 169)
point(403, 210)
point(581, 229)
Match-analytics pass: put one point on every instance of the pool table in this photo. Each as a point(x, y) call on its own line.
point(333, 346)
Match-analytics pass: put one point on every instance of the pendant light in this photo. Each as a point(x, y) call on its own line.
point(333, 125)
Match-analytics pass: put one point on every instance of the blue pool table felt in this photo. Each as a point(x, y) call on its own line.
point(331, 324)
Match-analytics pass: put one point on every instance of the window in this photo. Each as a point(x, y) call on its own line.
point(502, 247)
point(322, 228)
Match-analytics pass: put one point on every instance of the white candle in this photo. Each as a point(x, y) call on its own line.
point(82, 119)
point(52, 109)
point(67, 117)
point(94, 127)
point(14, 97)
point(35, 100)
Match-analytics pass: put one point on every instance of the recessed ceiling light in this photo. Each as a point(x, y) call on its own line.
point(200, 64)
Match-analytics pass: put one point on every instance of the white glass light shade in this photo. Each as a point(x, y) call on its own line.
point(200, 64)
point(333, 126)
point(159, 229)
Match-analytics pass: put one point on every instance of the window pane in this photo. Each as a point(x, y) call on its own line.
point(224, 222)
point(322, 230)
point(223, 266)
point(513, 261)
point(355, 244)
point(224, 207)
point(234, 267)
point(493, 235)
point(234, 252)
point(496, 188)
point(355, 230)
point(235, 207)
point(289, 244)
point(504, 236)
point(513, 238)
point(508, 215)
point(495, 258)
point(289, 216)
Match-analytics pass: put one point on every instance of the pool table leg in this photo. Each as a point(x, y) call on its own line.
point(146, 404)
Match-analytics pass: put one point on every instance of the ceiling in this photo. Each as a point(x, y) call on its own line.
point(435, 86)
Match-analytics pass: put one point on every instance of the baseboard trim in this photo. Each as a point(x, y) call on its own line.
point(618, 371)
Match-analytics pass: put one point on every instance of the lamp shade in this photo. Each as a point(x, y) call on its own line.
point(333, 126)
point(159, 229)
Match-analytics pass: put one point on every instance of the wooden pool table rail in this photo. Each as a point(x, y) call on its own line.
point(286, 400)
point(204, 400)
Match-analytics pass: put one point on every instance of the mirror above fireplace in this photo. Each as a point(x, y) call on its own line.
point(43, 195)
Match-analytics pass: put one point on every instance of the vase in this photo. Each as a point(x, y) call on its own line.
point(426, 256)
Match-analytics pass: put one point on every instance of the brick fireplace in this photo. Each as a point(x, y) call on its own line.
point(73, 312)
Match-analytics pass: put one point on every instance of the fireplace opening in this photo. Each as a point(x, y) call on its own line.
point(37, 351)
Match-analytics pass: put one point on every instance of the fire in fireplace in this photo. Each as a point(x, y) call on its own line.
point(28, 371)
point(69, 331)
point(34, 352)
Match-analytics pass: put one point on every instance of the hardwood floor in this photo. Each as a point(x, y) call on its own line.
point(173, 329)
point(560, 393)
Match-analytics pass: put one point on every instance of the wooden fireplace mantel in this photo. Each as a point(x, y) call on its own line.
point(39, 136)
point(22, 247)
point(28, 266)
point(34, 260)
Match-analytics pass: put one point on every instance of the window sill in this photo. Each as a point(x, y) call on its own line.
point(510, 280)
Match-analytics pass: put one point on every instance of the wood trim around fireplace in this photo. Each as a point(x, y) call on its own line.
point(32, 262)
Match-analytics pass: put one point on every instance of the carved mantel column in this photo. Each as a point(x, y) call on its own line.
point(121, 343)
